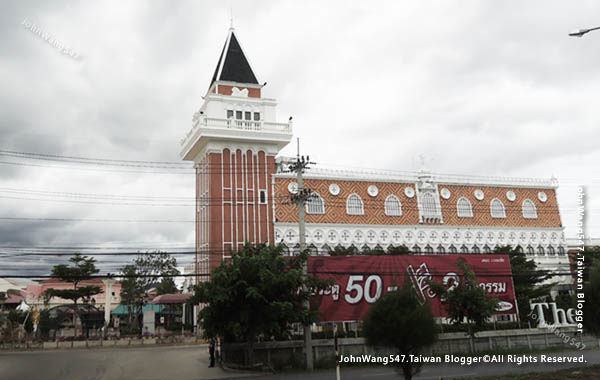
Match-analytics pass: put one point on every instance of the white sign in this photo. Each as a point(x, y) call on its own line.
point(571, 317)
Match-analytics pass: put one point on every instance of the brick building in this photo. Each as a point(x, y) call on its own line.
point(243, 192)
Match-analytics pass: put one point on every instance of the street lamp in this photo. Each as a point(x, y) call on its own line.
point(581, 32)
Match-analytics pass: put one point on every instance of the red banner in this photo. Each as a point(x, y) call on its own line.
point(361, 280)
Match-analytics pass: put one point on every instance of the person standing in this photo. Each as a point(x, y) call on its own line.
point(211, 351)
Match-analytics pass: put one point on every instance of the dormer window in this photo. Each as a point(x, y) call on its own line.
point(256, 116)
point(229, 114)
point(247, 115)
point(238, 115)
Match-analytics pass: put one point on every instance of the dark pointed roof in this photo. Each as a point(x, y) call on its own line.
point(233, 65)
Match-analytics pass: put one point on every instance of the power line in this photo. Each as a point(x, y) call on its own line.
point(87, 159)
point(96, 220)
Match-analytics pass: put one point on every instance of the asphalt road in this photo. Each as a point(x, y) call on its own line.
point(191, 363)
point(147, 363)
point(447, 371)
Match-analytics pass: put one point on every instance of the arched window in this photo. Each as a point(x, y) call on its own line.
point(428, 249)
point(561, 251)
point(529, 210)
point(497, 208)
point(464, 208)
point(286, 250)
point(452, 249)
point(314, 251)
point(530, 251)
point(551, 251)
point(354, 205)
point(441, 250)
point(315, 204)
point(393, 207)
point(476, 249)
point(487, 249)
point(325, 249)
point(464, 249)
point(541, 251)
point(428, 204)
point(416, 250)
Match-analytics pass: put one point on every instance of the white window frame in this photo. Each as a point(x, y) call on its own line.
point(466, 214)
point(529, 209)
point(391, 211)
point(503, 211)
point(348, 205)
point(316, 205)
point(430, 209)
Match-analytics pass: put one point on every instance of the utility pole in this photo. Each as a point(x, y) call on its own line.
point(300, 199)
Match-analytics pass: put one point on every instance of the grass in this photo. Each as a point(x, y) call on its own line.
point(592, 372)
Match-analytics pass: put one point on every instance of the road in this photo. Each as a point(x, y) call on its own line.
point(144, 363)
point(191, 363)
point(447, 371)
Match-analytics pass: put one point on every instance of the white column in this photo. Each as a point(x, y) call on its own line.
point(108, 283)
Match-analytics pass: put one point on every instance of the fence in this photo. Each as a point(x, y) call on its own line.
point(290, 353)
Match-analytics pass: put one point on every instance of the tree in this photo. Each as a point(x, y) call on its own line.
point(82, 268)
point(167, 286)
point(342, 251)
point(258, 294)
point(591, 307)
point(592, 255)
point(397, 320)
point(527, 280)
point(145, 272)
point(400, 250)
point(466, 301)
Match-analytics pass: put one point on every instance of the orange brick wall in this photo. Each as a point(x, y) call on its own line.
point(227, 90)
point(548, 214)
point(335, 206)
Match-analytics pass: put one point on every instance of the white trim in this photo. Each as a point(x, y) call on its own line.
point(412, 177)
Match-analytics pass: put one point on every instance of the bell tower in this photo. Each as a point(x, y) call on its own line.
point(233, 142)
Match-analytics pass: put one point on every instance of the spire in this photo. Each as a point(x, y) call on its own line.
point(233, 65)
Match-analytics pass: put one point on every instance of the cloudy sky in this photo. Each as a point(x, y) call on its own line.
point(476, 87)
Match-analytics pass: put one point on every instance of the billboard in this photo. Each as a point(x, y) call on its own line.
point(361, 280)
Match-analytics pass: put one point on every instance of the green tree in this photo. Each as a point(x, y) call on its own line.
point(258, 294)
point(592, 255)
point(399, 250)
point(81, 268)
point(467, 301)
point(167, 286)
point(527, 280)
point(397, 320)
point(591, 307)
point(147, 270)
point(343, 251)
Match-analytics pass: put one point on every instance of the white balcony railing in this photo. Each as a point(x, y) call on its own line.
point(242, 125)
point(247, 125)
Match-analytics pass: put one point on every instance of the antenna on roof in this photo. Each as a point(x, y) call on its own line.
point(230, 16)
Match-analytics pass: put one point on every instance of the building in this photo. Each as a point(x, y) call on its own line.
point(243, 191)
point(34, 294)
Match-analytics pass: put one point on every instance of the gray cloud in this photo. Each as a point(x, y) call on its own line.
point(477, 87)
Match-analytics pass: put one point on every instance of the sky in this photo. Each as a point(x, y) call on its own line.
point(475, 87)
